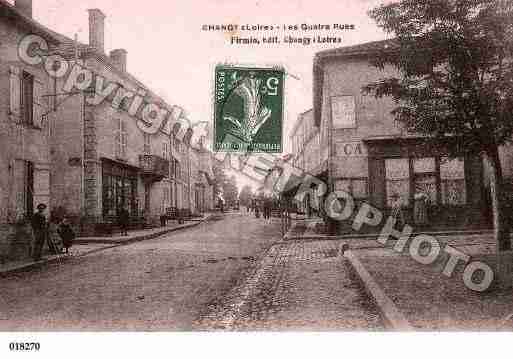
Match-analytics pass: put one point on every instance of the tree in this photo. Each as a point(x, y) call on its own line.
point(454, 58)
point(246, 194)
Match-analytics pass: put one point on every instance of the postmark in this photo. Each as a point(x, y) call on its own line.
point(248, 109)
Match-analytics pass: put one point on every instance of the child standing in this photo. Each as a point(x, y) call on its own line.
point(67, 234)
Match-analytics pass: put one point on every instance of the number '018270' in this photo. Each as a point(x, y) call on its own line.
point(24, 346)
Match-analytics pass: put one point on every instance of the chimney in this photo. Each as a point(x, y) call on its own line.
point(97, 29)
point(24, 6)
point(118, 58)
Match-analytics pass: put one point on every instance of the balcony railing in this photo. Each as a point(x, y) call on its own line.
point(154, 167)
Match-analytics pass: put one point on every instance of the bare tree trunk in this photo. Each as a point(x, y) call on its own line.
point(501, 230)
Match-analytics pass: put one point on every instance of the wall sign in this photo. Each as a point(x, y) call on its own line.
point(343, 111)
point(351, 149)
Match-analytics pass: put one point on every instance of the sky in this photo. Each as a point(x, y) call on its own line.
point(169, 52)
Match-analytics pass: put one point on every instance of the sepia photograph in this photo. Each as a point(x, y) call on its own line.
point(304, 178)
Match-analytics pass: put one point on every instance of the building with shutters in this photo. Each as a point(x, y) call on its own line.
point(102, 161)
point(201, 179)
point(372, 157)
point(24, 127)
point(306, 148)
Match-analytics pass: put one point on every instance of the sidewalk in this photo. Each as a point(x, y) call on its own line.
point(314, 229)
point(144, 234)
point(424, 297)
point(87, 245)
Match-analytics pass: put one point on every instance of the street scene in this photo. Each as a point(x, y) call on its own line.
point(188, 281)
point(347, 174)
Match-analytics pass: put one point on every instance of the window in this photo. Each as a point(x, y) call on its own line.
point(171, 167)
point(452, 175)
point(178, 170)
point(119, 189)
point(24, 184)
point(165, 149)
point(397, 180)
point(343, 112)
point(357, 187)
point(166, 198)
point(147, 144)
point(27, 98)
point(121, 139)
point(424, 170)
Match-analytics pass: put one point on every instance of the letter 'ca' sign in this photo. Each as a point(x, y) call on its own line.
point(248, 109)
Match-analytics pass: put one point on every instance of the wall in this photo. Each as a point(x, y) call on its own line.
point(19, 142)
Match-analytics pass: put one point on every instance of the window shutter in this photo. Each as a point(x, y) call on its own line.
point(39, 107)
point(117, 143)
point(20, 186)
point(15, 92)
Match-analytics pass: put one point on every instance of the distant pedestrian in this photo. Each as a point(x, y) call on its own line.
point(123, 221)
point(267, 208)
point(397, 209)
point(39, 227)
point(420, 205)
point(67, 234)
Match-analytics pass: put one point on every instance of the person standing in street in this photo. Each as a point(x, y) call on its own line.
point(123, 220)
point(420, 207)
point(67, 234)
point(39, 227)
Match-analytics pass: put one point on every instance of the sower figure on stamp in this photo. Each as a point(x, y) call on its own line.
point(397, 210)
point(39, 227)
point(67, 234)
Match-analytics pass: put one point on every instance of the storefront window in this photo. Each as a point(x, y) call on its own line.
point(356, 187)
point(119, 189)
point(452, 175)
point(397, 180)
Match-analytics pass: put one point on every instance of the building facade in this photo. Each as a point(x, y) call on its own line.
point(24, 130)
point(101, 160)
point(308, 155)
point(375, 160)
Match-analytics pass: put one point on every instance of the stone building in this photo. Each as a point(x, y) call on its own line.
point(374, 159)
point(201, 179)
point(24, 130)
point(306, 148)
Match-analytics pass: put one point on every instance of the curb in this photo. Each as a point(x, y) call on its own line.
point(392, 316)
point(31, 265)
point(141, 237)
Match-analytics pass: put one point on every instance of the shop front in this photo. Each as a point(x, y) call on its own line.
point(119, 189)
point(436, 186)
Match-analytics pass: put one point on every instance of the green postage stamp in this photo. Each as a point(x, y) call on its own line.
point(248, 109)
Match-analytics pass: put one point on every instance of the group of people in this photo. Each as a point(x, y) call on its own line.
point(41, 230)
point(261, 206)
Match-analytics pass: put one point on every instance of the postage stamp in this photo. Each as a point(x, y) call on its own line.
point(248, 109)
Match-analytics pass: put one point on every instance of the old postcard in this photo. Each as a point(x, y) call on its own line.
point(262, 166)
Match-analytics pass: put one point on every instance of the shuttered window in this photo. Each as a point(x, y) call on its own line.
point(15, 93)
point(27, 98)
point(452, 174)
point(121, 139)
point(147, 144)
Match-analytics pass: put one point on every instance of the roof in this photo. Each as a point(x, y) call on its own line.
point(361, 50)
point(10, 11)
